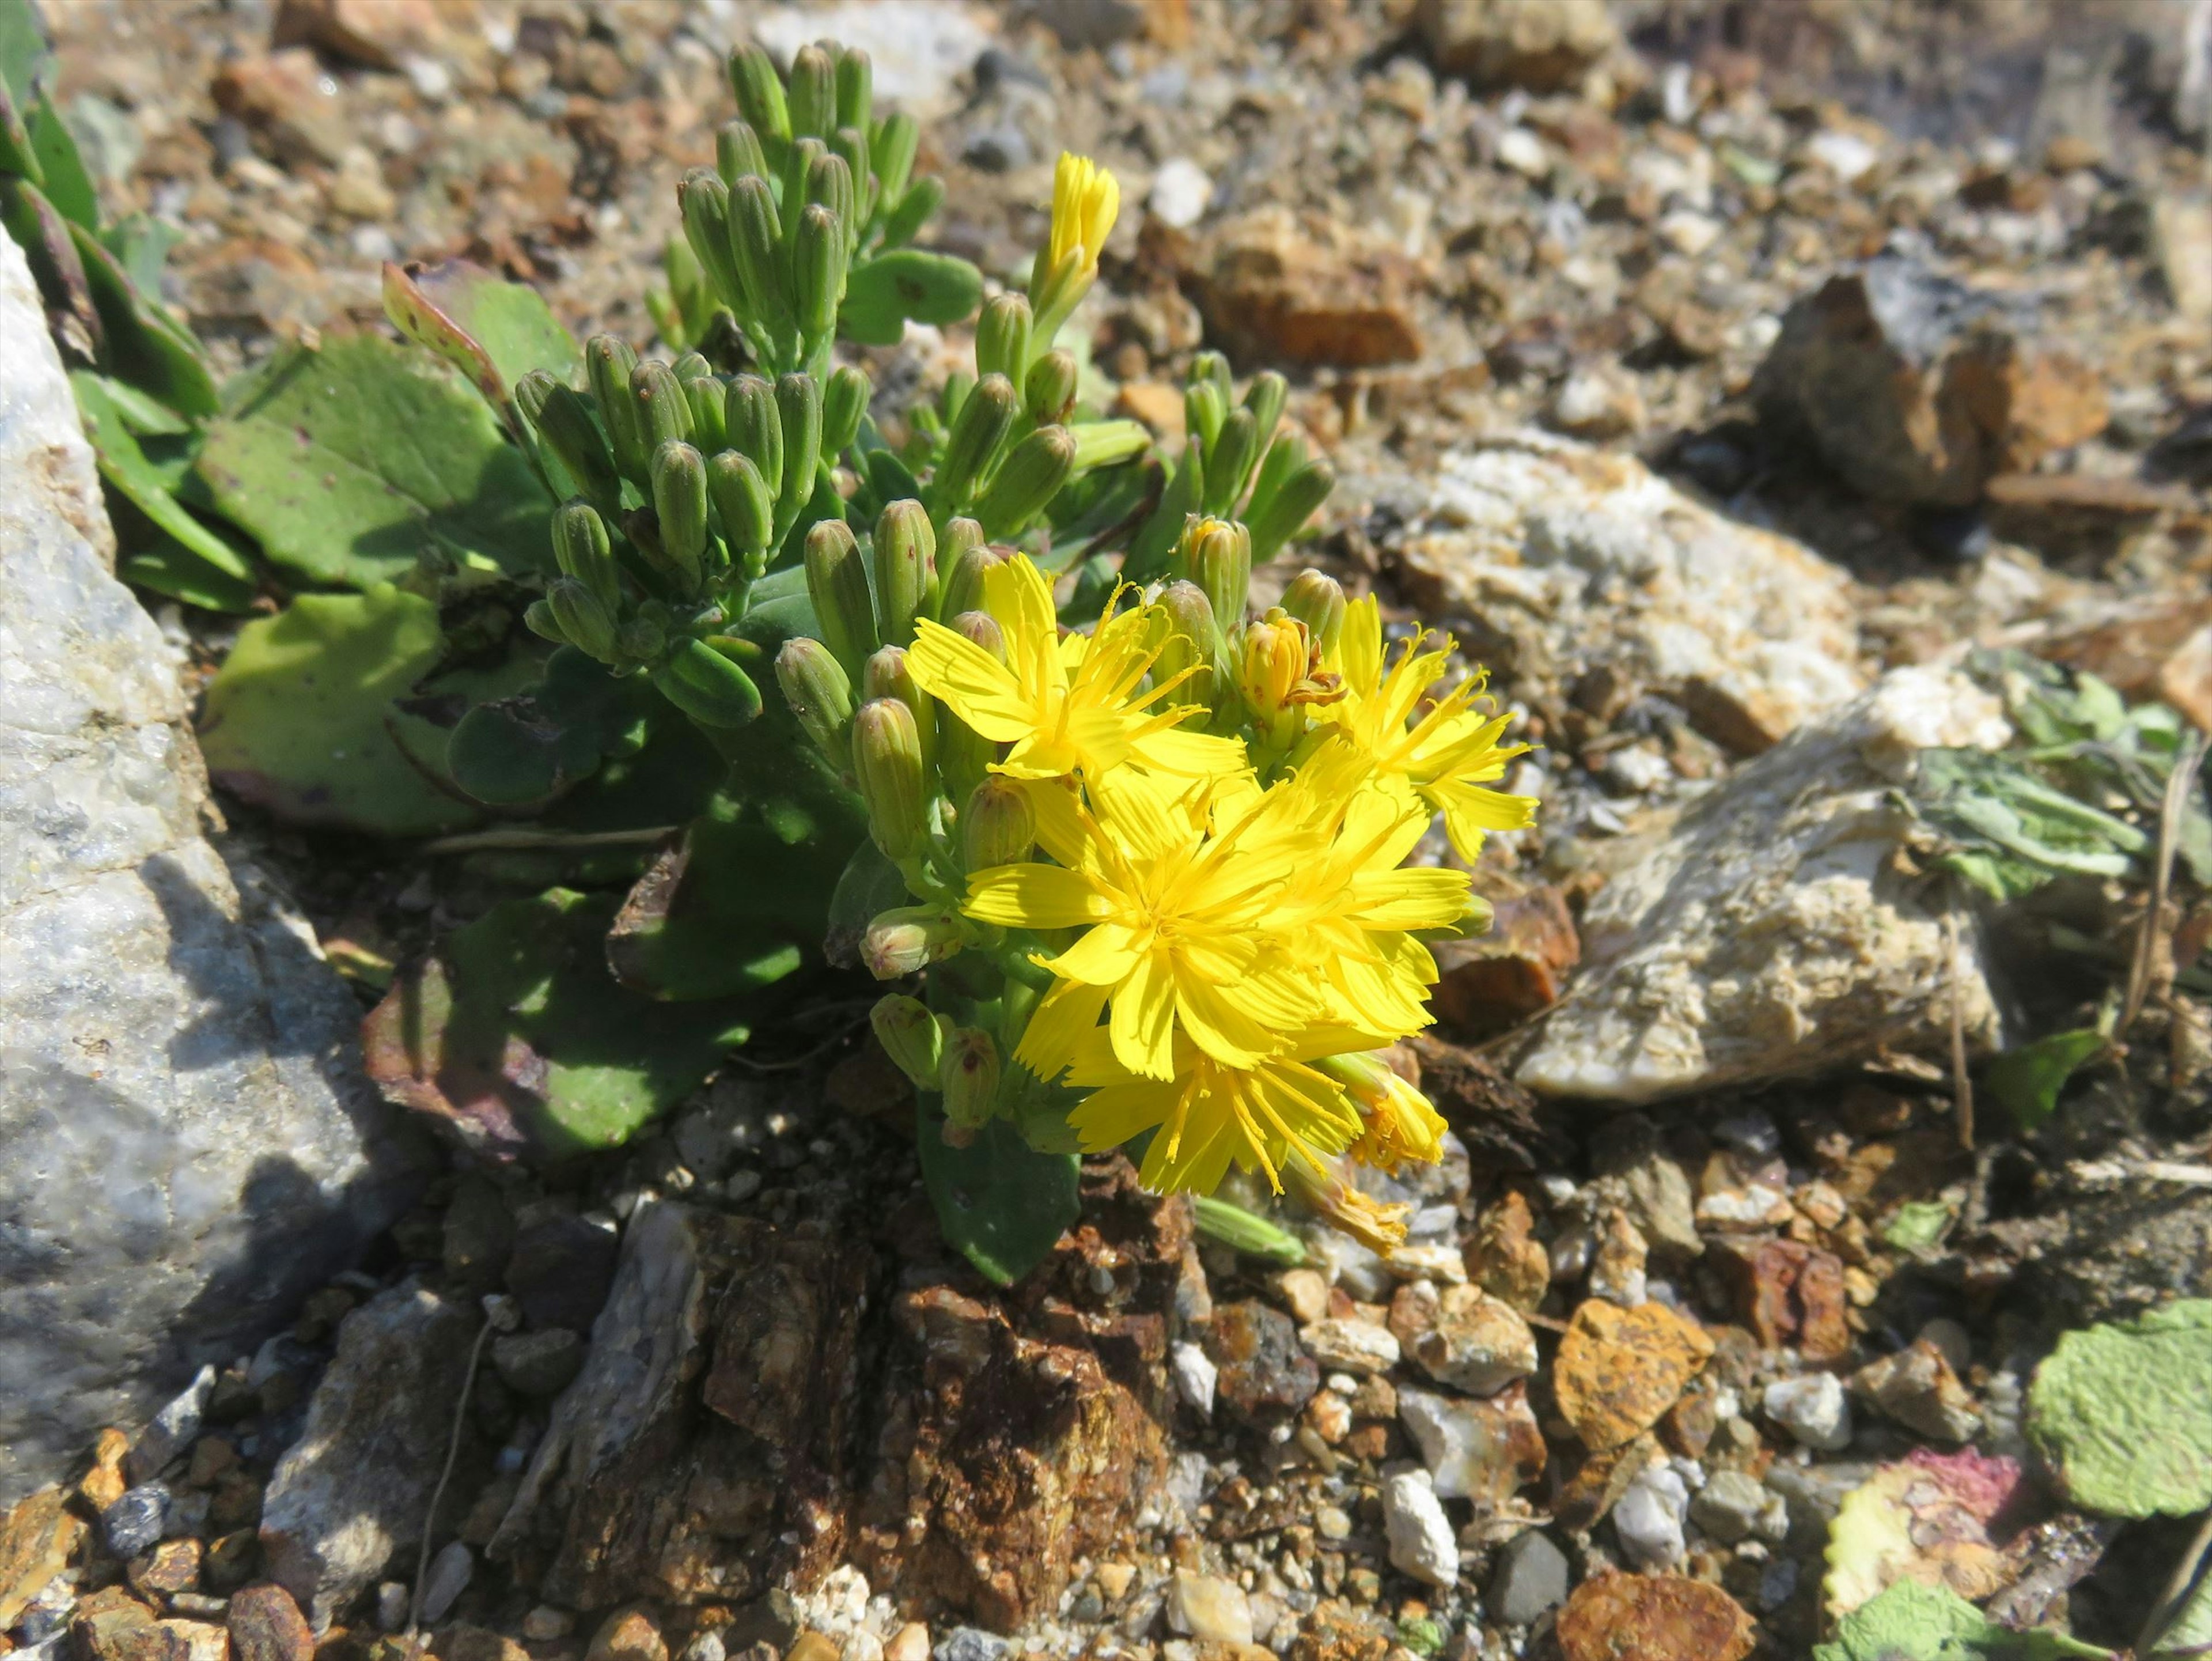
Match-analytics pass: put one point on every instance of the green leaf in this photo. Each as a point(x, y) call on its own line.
point(62, 171)
point(23, 54)
point(513, 1034)
point(142, 413)
point(492, 331)
point(2028, 1079)
point(124, 464)
point(352, 463)
point(296, 719)
point(16, 154)
point(50, 247)
point(1918, 1225)
point(2189, 1632)
point(142, 244)
point(1915, 1622)
point(145, 345)
point(883, 292)
point(2123, 1414)
point(869, 884)
point(727, 907)
point(168, 567)
point(1002, 1205)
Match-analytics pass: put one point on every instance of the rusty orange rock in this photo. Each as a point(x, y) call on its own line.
point(1653, 1617)
point(1620, 1369)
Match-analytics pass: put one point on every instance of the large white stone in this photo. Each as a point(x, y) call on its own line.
point(1772, 930)
point(186, 1140)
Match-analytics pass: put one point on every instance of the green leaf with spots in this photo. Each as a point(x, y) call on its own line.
point(492, 331)
point(881, 294)
point(352, 463)
point(516, 1038)
point(297, 721)
point(1913, 1622)
point(24, 53)
point(2124, 1417)
point(1002, 1204)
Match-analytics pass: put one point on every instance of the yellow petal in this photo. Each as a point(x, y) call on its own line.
point(973, 683)
point(1033, 896)
point(1143, 1018)
point(1057, 1026)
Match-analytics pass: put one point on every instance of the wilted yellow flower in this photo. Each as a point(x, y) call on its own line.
point(1401, 1123)
point(1071, 706)
point(1086, 199)
point(1452, 750)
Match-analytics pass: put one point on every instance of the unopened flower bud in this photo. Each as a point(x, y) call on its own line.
point(1203, 412)
point(969, 1076)
point(1271, 664)
point(844, 403)
point(850, 146)
point(909, 939)
point(608, 361)
point(1265, 399)
point(1048, 390)
point(837, 584)
point(1284, 457)
point(1002, 336)
point(1228, 461)
point(910, 1037)
point(829, 185)
point(757, 253)
point(855, 89)
point(962, 556)
point(584, 622)
point(891, 153)
point(537, 617)
point(818, 269)
point(921, 199)
point(820, 696)
point(706, 391)
point(998, 826)
point(707, 687)
point(679, 503)
point(642, 638)
point(1316, 600)
point(756, 430)
point(1027, 479)
point(738, 152)
point(1285, 512)
point(1218, 555)
point(663, 411)
point(798, 412)
point(1191, 653)
point(887, 674)
point(905, 553)
point(759, 90)
point(564, 424)
point(582, 550)
point(703, 200)
point(985, 415)
point(745, 506)
point(812, 92)
point(887, 762)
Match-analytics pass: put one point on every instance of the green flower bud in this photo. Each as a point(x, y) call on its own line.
point(679, 502)
point(565, 426)
point(964, 755)
point(910, 1037)
point(1203, 413)
point(855, 89)
point(969, 1076)
point(1265, 399)
point(537, 617)
point(757, 253)
point(707, 687)
point(1246, 1231)
point(1193, 643)
point(820, 696)
point(1288, 509)
point(703, 201)
point(1285, 456)
point(898, 137)
point(756, 430)
point(530, 391)
point(1228, 460)
point(608, 361)
point(922, 199)
point(908, 939)
point(905, 551)
point(844, 403)
point(708, 395)
point(744, 508)
point(1029, 479)
point(583, 550)
point(976, 432)
point(1108, 443)
point(1316, 600)
point(813, 91)
point(738, 152)
point(887, 674)
point(837, 583)
point(642, 638)
point(887, 762)
point(848, 146)
point(584, 622)
point(1218, 554)
point(1002, 336)
point(818, 270)
point(1049, 393)
point(829, 185)
point(998, 826)
point(759, 91)
point(797, 166)
point(798, 413)
point(1212, 368)
point(663, 411)
point(963, 587)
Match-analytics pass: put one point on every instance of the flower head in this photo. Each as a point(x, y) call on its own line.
point(1077, 705)
point(1086, 199)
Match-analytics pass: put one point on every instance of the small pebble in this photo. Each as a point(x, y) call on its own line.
point(545, 1623)
point(1648, 1517)
point(392, 1605)
point(135, 1522)
point(1422, 1543)
point(1531, 1576)
point(1208, 1608)
point(1813, 1409)
point(1195, 1376)
point(448, 1578)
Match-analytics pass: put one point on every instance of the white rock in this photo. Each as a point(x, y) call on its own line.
point(1648, 1517)
point(1769, 932)
point(187, 1141)
point(1469, 1447)
point(1422, 1543)
point(1813, 1409)
point(1208, 1608)
point(450, 1571)
point(919, 47)
point(1845, 155)
point(1195, 1376)
point(1181, 190)
point(1355, 1346)
point(1523, 152)
point(173, 1430)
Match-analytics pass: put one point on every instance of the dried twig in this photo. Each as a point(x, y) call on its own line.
point(438, 1494)
point(2177, 1589)
point(477, 841)
point(1962, 1086)
point(2172, 810)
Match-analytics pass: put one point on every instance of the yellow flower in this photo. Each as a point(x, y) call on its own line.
point(1401, 1123)
point(1173, 915)
point(1085, 201)
point(1065, 707)
point(1452, 749)
point(1275, 1118)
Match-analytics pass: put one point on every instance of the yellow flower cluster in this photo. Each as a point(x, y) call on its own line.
point(1225, 951)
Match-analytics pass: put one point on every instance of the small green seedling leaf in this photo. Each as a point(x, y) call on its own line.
point(514, 1036)
point(1917, 1225)
point(883, 294)
point(2028, 1079)
point(1002, 1204)
point(351, 463)
point(295, 720)
point(492, 331)
point(2122, 1416)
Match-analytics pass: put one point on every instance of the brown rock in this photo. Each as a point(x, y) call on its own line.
point(104, 1484)
point(1916, 1388)
point(1791, 1295)
point(463, 1642)
point(1517, 967)
point(1334, 1632)
point(1155, 403)
point(37, 1538)
point(1308, 289)
point(377, 34)
point(113, 1626)
point(284, 98)
point(266, 1625)
point(1619, 1370)
point(1599, 1480)
point(2160, 648)
point(634, 1634)
point(1653, 1617)
point(1264, 1373)
point(1544, 45)
point(172, 1566)
point(1504, 1258)
point(1476, 1343)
